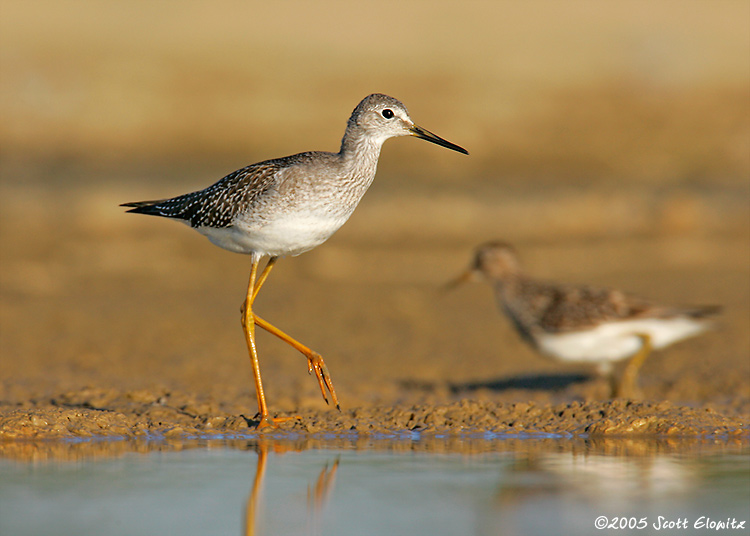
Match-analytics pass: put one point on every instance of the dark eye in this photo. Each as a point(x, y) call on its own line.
point(388, 113)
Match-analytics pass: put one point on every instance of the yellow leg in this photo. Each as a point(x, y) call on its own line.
point(315, 363)
point(628, 382)
point(614, 385)
point(248, 327)
point(264, 275)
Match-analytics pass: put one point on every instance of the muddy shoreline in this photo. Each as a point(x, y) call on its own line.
point(124, 328)
point(76, 416)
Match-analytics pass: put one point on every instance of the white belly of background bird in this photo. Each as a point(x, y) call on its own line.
point(617, 340)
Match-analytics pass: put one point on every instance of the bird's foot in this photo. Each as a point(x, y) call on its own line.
point(264, 421)
point(316, 364)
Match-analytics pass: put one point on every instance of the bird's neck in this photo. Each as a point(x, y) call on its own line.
point(509, 286)
point(359, 153)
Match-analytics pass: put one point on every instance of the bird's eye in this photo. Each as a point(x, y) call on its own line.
point(388, 113)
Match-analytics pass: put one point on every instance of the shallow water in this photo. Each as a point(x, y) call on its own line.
point(403, 485)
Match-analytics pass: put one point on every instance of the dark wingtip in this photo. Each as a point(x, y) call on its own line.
point(143, 207)
point(137, 204)
point(135, 207)
point(707, 310)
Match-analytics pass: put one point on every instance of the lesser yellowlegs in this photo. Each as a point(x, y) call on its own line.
point(290, 205)
point(582, 324)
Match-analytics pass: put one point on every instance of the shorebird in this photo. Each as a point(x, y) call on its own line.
point(289, 205)
point(582, 324)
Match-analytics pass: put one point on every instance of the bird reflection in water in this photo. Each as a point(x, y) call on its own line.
point(317, 495)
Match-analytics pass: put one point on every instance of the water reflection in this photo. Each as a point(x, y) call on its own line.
point(251, 511)
point(267, 486)
point(598, 478)
point(576, 488)
point(317, 496)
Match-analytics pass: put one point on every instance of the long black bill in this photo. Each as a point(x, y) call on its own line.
point(423, 134)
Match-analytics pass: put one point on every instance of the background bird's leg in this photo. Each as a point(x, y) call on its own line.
point(628, 382)
point(248, 326)
point(606, 371)
point(315, 361)
point(614, 384)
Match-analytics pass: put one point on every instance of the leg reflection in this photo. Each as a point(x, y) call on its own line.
point(251, 510)
point(317, 495)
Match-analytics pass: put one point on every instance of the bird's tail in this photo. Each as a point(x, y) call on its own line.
point(703, 311)
point(152, 208)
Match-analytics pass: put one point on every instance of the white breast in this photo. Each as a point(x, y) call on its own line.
point(291, 235)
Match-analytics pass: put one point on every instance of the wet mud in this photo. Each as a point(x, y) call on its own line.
point(117, 326)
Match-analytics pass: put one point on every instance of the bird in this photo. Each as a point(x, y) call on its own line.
point(584, 324)
point(287, 206)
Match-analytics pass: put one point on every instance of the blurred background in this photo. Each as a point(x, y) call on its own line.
point(610, 142)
